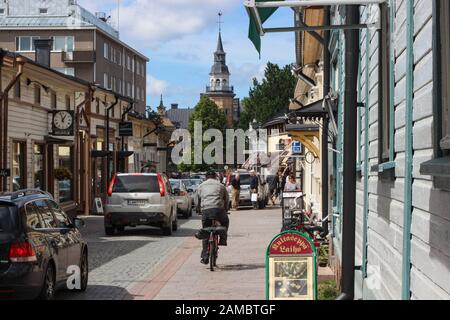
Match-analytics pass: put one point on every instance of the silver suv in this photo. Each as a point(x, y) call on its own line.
point(140, 199)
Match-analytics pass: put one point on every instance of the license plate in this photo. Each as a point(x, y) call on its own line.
point(137, 203)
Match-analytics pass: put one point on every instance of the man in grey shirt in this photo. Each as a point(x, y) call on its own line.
point(212, 201)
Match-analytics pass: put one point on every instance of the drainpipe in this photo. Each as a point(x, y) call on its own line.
point(406, 262)
point(326, 90)
point(77, 142)
point(4, 122)
point(108, 157)
point(350, 131)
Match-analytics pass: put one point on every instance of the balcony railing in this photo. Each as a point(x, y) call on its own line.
point(219, 88)
point(78, 57)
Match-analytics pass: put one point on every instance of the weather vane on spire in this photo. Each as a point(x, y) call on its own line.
point(220, 14)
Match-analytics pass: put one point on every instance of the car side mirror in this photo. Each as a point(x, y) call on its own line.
point(79, 223)
point(190, 190)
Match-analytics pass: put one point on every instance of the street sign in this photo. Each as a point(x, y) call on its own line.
point(291, 267)
point(296, 148)
point(5, 172)
point(126, 129)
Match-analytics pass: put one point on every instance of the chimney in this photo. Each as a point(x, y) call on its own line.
point(43, 48)
point(174, 106)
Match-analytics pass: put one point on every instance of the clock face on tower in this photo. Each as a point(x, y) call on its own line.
point(63, 123)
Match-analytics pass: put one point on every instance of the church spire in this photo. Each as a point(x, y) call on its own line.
point(161, 107)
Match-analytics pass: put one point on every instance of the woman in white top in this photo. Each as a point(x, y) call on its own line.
point(291, 185)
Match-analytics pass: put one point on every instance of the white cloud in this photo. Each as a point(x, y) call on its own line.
point(156, 86)
point(151, 23)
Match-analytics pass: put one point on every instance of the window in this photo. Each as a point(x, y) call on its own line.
point(37, 94)
point(105, 50)
point(120, 86)
point(138, 68)
point(68, 102)
point(61, 218)
point(43, 10)
point(46, 214)
point(38, 166)
point(33, 217)
point(2, 11)
point(25, 43)
point(54, 101)
point(66, 71)
point(129, 89)
point(19, 165)
point(105, 80)
point(62, 43)
point(444, 139)
point(385, 102)
point(97, 105)
point(65, 173)
point(17, 90)
point(132, 65)
point(143, 69)
point(128, 62)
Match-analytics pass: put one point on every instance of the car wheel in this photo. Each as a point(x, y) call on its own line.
point(186, 214)
point(84, 272)
point(167, 230)
point(121, 229)
point(175, 225)
point(48, 289)
point(109, 230)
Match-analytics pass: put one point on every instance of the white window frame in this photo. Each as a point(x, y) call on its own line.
point(106, 50)
point(65, 44)
point(31, 49)
point(105, 80)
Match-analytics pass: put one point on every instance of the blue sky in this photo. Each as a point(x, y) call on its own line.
point(180, 36)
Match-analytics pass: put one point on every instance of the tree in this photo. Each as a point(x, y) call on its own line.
point(269, 96)
point(211, 117)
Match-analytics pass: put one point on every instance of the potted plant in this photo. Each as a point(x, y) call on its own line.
point(322, 258)
point(62, 173)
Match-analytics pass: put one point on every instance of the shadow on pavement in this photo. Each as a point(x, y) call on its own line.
point(96, 292)
point(242, 267)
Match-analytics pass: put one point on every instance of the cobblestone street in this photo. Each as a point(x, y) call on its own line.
point(142, 264)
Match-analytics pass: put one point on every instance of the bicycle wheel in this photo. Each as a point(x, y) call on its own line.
point(212, 254)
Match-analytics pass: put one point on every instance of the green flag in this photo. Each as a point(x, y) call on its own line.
point(253, 32)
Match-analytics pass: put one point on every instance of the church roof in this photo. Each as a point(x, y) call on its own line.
point(180, 117)
point(219, 67)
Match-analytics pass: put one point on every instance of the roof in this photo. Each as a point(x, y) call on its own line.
point(313, 110)
point(77, 18)
point(219, 67)
point(278, 118)
point(180, 116)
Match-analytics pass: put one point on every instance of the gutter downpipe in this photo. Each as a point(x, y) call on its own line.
point(350, 148)
point(108, 165)
point(77, 144)
point(326, 90)
point(406, 262)
point(366, 155)
point(4, 122)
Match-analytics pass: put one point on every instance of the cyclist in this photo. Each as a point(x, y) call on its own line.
point(211, 201)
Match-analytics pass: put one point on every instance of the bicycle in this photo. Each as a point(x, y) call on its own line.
point(214, 231)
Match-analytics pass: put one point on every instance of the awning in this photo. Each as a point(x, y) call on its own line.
point(124, 154)
point(100, 153)
point(305, 133)
point(261, 10)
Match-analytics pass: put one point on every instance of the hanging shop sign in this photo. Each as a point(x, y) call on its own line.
point(291, 267)
point(296, 148)
point(126, 129)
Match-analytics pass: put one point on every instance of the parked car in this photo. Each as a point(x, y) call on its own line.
point(143, 199)
point(184, 203)
point(192, 186)
point(38, 242)
point(245, 194)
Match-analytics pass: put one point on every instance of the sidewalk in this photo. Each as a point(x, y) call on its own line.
point(241, 265)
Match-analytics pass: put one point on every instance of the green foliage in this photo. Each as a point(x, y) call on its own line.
point(269, 96)
point(211, 117)
point(209, 113)
point(323, 255)
point(327, 290)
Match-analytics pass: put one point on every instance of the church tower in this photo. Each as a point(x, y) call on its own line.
point(219, 89)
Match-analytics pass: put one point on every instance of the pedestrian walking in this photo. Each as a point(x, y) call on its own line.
point(235, 191)
point(273, 183)
point(254, 184)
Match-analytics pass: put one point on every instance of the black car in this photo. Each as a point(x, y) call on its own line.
point(39, 245)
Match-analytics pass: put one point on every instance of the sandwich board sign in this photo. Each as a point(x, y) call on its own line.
point(291, 268)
